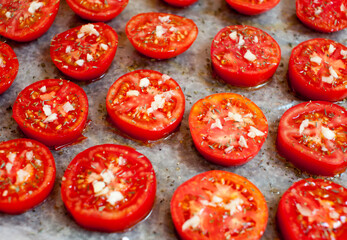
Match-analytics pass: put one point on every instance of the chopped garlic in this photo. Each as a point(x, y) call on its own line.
point(29, 155)
point(191, 223)
point(250, 56)
point(122, 161)
point(329, 79)
point(89, 57)
point(87, 29)
point(51, 118)
point(104, 46)
point(243, 142)
point(43, 89)
point(229, 149)
point(114, 197)
point(144, 82)
point(35, 6)
point(8, 14)
point(217, 124)
point(241, 41)
point(80, 62)
point(233, 35)
point(11, 156)
point(22, 176)
point(173, 29)
point(165, 77)
point(316, 59)
point(165, 19)
point(131, 93)
point(47, 110)
point(67, 107)
point(234, 206)
point(68, 49)
point(331, 49)
point(159, 31)
point(8, 167)
point(107, 176)
point(253, 132)
point(328, 134)
point(304, 124)
point(256, 39)
point(233, 116)
point(333, 73)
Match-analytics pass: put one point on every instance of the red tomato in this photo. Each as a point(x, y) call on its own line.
point(227, 128)
point(85, 52)
point(97, 10)
point(244, 55)
point(161, 35)
point(313, 136)
point(52, 111)
point(26, 20)
point(313, 209)
point(180, 3)
point(146, 104)
point(322, 15)
point(8, 66)
point(109, 187)
point(219, 205)
point(252, 7)
point(27, 175)
point(318, 70)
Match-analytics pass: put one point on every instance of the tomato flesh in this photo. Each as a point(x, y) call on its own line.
point(109, 188)
point(321, 15)
point(161, 35)
point(146, 104)
point(97, 10)
point(318, 70)
point(219, 205)
point(85, 52)
point(313, 209)
point(244, 56)
point(227, 128)
point(8, 66)
point(252, 7)
point(52, 111)
point(26, 20)
point(181, 3)
point(313, 137)
point(27, 174)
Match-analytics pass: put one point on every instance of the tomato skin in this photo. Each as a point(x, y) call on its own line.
point(166, 48)
point(214, 153)
point(195, 189)
point(333, 19)
point(9, 72)
point(9, 26)
point(89, 70)
point(52, 137)
point(181, 3)
point(315, 89)
point(26, 201)
point(291, 228)
point(145, 130)
point(303, 157)
point(102, 15)
point(249, 75)
point(116, 219)
point(247, 8)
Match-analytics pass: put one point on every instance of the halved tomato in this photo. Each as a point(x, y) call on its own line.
point(180, 3)
point(85, 52)
point(97, 10)
point(146, 104)
point(26, 20)
point(318, 70)
point(219, 205)
point(161, 35)
point(52, 111)
point(244, 55)
point(252, 7)
point(313, 136)
point(313, 209)
point(27, 175)
point(322, 15)
point(227, 128)
point(8, 66)
point(109, 188)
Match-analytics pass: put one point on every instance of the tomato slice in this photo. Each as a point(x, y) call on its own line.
point(313, 209)
point(52, 111)
point(313, 136)
point(27, 174)
point(26, 20)
point(109, 187)
point(219, 205)
point(180, 3)
point(85, 52)
point(8, 66)
point(227, 128)
point(318, 70)
point(146, 104)
point(97, 10)
point(244, 55)
point(161, 35)
point(252, 7)
point(322, 15)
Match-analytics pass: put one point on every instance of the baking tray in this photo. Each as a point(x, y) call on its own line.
point(175, 159)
